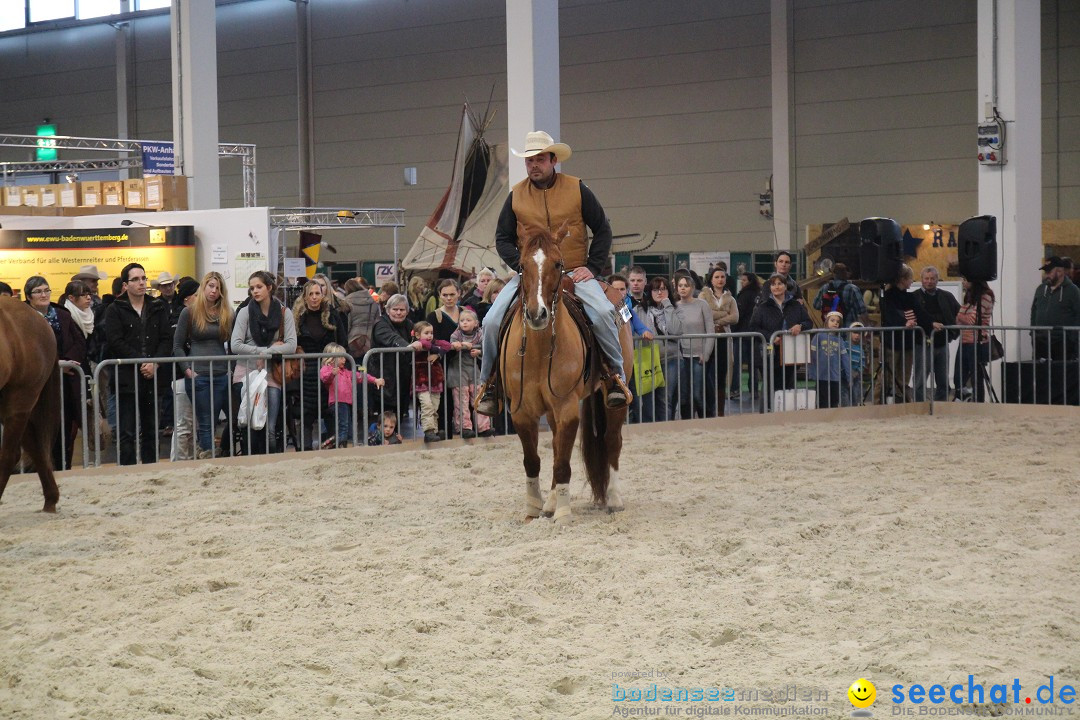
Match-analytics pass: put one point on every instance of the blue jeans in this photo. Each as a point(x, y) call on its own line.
point(343, 411)
point(691, 388)
point(597, 307)
point(208, 409)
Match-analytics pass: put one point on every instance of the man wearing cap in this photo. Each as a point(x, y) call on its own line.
point(1056, 305)
point(90, 275)
point(546, 199)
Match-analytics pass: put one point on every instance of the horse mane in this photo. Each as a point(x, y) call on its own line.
point(540, 237)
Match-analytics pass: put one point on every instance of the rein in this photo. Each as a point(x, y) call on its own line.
point(551, 354)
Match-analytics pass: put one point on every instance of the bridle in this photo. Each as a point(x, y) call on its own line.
point(556, 294)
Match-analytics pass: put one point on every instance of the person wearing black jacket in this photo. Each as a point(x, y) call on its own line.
point(318, 323)
point(941, 307)
point(136, 326)
point(900, 311)
point(394, 330)
point(70, 346)
point(782, 311)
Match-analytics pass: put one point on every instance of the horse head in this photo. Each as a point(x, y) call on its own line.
point(541, 273)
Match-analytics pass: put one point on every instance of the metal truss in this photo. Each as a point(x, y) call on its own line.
point(326, 218)
point(246, 152)
point(50, 166)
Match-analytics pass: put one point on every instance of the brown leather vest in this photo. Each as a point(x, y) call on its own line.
point(536, 208)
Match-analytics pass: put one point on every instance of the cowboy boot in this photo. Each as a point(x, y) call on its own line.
point(487, 399)
point(618, 395)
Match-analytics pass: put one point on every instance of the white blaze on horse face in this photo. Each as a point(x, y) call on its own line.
point(539, 257)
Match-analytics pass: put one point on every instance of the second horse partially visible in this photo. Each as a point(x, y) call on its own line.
point(546, 371)
point(29, 394)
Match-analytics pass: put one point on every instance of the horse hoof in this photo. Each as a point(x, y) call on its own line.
point(528, 519)
point(615, 509)
point(49, 509)
point(564, 520)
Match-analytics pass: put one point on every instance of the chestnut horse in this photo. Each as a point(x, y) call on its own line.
point(29, 394)
point(543, 369)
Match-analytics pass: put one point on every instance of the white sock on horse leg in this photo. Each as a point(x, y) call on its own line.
point(549, 503)
point(533, 502)
point(614, 494)
point(562, 503)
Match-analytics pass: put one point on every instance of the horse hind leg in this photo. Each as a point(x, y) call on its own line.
point(613, 442)
point(37, 442)
point(10, 447)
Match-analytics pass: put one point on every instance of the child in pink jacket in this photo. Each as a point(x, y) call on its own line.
point(338, 381)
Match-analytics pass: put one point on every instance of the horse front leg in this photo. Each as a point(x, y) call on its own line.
point(529, 434)
point(564, 432)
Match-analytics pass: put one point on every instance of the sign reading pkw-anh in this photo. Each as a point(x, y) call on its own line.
point(46, 144)
point(158, 159)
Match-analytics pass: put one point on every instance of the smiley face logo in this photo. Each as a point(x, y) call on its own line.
point(862, 693)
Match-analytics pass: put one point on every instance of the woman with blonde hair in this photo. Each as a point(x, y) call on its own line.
point(418, 292)
point(318, 323)
point(204, 328)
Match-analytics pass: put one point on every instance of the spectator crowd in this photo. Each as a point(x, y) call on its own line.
point(685, 367)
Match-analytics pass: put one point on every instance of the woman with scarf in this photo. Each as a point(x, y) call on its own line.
point(318, 324)
point(262, 325)
point(70, 346)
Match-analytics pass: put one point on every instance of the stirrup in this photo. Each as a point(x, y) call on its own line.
point(488, 401)
point(619, 395)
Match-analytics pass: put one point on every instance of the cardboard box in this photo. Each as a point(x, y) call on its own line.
point(134, 193)
point(31, 195)
point(12, 196)
point(166, 192)
point(112, 193)
point(50, 195)
point(70, 195)
point(91, 193)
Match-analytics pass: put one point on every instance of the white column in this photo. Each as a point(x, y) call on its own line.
point(1013, 192)
point(532, 73)
point(195, 100)
point(783, 124)
point(122, 109)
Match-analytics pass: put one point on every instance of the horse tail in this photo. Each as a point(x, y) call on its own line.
point(45, 420)
point(594, 449)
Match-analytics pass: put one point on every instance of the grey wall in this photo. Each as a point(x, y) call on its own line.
point(667, 105)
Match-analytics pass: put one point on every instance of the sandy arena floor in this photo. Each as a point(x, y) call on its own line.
point(405, 585)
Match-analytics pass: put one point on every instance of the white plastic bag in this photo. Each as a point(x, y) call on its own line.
point(253, 400)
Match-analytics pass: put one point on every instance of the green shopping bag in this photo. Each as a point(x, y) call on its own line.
point(648, 368)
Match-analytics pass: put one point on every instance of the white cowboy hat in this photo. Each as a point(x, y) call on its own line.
point(163, 279)
point(90, 272)
point(539, 141)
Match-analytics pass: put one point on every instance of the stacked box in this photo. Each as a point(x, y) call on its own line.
point(166, 192)
point(31, 195)
point(12, 196)
point(112, 192)
point(50, 195)
point(91, 193)
point(134, 193)
point(70, 195)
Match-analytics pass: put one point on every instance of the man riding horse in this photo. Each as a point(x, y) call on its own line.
point(547, 199)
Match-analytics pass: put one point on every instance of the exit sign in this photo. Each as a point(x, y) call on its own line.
point(46, 145)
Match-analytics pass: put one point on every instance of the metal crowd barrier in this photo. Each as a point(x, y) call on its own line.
point(146, 396)
point(668, 386)
point(1013, 364)
point(69, 424)
point(841, 367)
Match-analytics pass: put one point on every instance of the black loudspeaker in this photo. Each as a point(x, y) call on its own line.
point(881, 252)
point(977, 248)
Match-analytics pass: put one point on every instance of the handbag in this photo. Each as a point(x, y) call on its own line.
point(648, 368)
point(997, 350)
point(284, 372)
